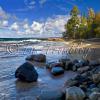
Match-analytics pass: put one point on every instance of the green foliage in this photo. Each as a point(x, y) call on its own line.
point(73, 23)
point(81, 27)
point(96, 25)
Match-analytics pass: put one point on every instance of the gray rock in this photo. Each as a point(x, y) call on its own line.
point(96, 78)
point(94, 63)
point(84, 62)
point(68, 65)
point(71, 82)
point(63, 60)
point(83, 69)
point(50, 65)
point(26, 72)
point(74, 93)
point(37, 57)
point(94, 96)
point(57, 70)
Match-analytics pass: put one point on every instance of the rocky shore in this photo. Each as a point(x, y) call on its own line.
point(85, 86)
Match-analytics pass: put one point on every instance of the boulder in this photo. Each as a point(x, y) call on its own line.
point(96, 78)
point(84, 62)
point(53, 64)
point(26, 72)
point(57, 70)
point(71, 82)
point(74, 93)
point(63, 60)
point(83, 69)
point(82, 79)
point(68, 65)
point(75, 61)
point(94, 96)
point(94, 63)
point(37, 57)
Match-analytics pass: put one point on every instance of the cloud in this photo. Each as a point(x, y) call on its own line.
point(37, 27)
point(30, 3)
point(51, 27)
point(26, 26)
point(14, 26)
point(56, 24)
point(5, 23)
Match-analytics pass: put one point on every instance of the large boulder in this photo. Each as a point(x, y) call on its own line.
point(37, 57)
point(74, 93)
point(26, 72)
point(94, 96)
point(57, 70)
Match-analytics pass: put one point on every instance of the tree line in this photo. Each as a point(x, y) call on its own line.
point(82, 26)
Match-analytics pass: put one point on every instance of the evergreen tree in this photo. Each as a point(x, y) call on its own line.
point(73, 23)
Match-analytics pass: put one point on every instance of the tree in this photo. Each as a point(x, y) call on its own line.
point(91, 15)
point(83, 27)
point(90, 19)
point(73, 23)
point(96, 25)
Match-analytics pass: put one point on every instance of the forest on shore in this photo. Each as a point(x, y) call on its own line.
point(82, 26)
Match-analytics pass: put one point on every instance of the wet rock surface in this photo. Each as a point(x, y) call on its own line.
point(57, 70)
point(88, 79)
point(26, 72)
point(74, 93)
point(37, 57)
point(84, 86)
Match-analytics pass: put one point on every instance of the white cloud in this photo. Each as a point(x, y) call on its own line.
point(14, 26)
point(26, 26)
point(5, 23)
point(51, 27)
point(37, 27)
point(56, 25)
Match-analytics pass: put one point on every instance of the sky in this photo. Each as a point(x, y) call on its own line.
point(38, 18)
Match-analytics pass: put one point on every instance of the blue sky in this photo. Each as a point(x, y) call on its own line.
point(38, 18)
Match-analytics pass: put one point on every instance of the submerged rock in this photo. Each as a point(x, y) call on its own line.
point(37, 57)
point(52, 95)
point(26, 72)
point(74, 93)
point(57, 70)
